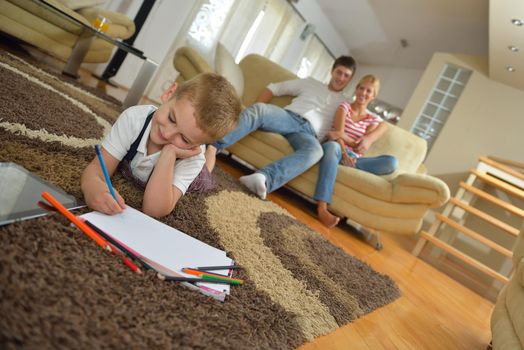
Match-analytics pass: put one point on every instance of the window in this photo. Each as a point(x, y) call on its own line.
point(208, 24)
point(317, 61)
point(440, 103)
point(273, 31)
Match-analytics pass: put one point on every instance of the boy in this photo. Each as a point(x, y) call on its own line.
point(162, 149)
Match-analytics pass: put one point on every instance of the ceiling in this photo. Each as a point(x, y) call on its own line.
point(406, 33)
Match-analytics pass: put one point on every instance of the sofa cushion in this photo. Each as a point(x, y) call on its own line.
point(225, 65)
point(514, 302)
point(408, 148)
point(258, 74)
point(79, 4)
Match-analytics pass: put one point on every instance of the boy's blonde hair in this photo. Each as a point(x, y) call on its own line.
point(371, 79)
point(217, 106)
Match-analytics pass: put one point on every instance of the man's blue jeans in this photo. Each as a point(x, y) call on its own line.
point(294, 128)
point(327, 173)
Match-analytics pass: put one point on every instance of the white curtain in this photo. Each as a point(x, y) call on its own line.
point(242, 16)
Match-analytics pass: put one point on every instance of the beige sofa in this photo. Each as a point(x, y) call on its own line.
point(507, 320)
point(34, 24)
point(393, 203)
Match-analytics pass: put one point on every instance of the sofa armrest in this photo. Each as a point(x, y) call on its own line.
point(189, 63)
point(120, 26)
point(420, 188)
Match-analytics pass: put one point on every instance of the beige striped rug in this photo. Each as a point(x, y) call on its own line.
point(59, 290)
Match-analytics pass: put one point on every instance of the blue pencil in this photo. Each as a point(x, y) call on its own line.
point(104, 170)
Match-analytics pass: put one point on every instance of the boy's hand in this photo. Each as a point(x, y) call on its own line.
point(104, 202)
point(172, 150)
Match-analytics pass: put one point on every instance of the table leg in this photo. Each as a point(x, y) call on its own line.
point(140, 83)
point(78, 54)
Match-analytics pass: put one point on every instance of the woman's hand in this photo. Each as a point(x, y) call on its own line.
point(347, 160)
point(363, 145)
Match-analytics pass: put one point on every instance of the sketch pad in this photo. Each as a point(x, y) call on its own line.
point(20, 191)
point(160, 243)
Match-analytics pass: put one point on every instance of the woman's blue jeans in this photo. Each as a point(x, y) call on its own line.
point(327, 174)
point(294, 128)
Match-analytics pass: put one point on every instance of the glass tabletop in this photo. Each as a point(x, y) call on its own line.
point(90, 29)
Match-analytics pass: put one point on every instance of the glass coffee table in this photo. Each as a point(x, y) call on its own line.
point(82, 46)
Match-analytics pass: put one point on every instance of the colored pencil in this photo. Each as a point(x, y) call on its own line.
point(75, 220)
point(116, 245)
point(193, 280)
point(211, 276)
point(87, 230)
point(104, 170)
point(212, 268)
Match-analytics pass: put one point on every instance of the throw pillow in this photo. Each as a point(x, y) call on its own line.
point(225, 65)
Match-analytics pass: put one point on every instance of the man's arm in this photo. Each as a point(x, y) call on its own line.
point(265, 96)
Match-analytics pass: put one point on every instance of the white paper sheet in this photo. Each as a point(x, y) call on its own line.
point(160, 243)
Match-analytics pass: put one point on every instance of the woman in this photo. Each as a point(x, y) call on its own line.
point(354, 131)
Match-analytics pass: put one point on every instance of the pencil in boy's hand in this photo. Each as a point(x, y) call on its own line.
point(104, 170)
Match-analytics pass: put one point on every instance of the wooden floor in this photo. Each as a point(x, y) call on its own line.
point(434, 311)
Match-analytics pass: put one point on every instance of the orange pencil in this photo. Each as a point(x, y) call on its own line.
point(86, 229)
point(76, 221)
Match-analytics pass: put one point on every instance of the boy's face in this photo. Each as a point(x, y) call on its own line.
point(174, 122)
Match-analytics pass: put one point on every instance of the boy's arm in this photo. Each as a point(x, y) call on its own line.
point(94, 187)
point(161, 196)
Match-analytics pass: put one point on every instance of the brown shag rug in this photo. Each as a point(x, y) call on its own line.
point(59, 290)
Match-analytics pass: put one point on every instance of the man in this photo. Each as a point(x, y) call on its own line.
point(303, 123)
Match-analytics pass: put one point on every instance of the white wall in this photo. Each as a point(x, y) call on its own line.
point(487, 119)
point(312, 13)
point(156, 36)
point(396, 84)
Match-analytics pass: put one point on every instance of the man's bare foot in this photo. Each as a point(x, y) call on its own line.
point(326, 218)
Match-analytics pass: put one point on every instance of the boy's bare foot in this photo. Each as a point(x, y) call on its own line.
point(326, 218)
point(211, 157)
